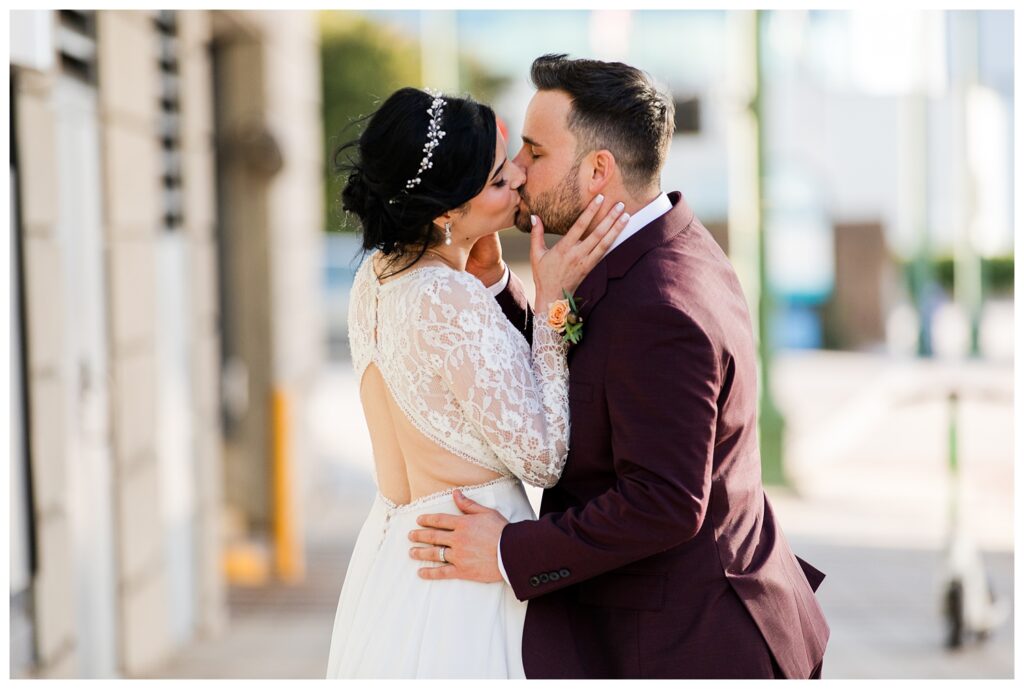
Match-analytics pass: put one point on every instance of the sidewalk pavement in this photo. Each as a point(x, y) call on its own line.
point(867, 505)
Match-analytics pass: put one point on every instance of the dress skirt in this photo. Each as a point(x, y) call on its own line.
point(390, 623)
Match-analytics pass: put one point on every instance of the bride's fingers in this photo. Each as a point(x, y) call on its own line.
point(538, 248)
point(605, 243)
point(583, 222)
point(613, 222)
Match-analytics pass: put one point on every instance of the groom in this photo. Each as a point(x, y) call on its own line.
point(657, 555)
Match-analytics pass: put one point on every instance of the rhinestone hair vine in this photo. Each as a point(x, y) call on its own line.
point(434, 136)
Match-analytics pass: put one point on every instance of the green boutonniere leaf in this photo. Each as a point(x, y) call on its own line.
point(572, 302)
point(573, 331)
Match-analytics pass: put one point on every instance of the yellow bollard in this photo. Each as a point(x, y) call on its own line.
point(245, 564)
point(288, 556)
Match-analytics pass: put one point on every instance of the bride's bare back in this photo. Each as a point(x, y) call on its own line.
point(452, 393)
point(409, 464)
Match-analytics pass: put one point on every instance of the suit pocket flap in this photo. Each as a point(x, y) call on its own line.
point(624, 590)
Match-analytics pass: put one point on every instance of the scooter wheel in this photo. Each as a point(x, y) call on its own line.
point(954, 610)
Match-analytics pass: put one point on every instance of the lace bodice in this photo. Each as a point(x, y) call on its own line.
point(461, 373)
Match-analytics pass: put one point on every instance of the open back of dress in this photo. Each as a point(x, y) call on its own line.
point(454, 396)
point(452, 393)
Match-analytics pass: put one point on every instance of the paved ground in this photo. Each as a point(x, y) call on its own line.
point(868, 506)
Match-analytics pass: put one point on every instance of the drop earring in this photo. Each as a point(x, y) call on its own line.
point(448, 234)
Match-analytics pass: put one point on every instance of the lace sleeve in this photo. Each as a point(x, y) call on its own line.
point(517, 398)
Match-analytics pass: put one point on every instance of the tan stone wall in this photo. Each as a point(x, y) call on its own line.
point(275, 249)
point(271, 100)
point(295, 210)
point(246, 263)
point(128, 91)
point(129, 102)
point(53, 586)
point(194, 32)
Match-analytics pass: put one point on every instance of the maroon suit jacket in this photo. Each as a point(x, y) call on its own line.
point(657, 554)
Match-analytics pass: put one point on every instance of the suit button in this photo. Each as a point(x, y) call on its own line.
point(534, 581)
point(554, 576)
point(544, 578)
point(564, 573)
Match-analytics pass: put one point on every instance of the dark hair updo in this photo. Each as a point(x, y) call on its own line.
point(397, 220)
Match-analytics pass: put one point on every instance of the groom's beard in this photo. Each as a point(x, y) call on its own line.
point(558, 208)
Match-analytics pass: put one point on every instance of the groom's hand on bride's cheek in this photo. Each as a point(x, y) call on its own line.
point(470, 541)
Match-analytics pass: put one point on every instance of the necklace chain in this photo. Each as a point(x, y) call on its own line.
point(442, 258)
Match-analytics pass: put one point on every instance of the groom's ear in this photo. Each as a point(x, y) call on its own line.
point(603, 169)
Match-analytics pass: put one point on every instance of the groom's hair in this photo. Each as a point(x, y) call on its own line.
point(614, 107)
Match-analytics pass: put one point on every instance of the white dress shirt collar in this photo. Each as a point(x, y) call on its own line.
point(643, 217)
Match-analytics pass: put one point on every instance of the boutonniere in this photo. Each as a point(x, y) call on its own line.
point(564, 317)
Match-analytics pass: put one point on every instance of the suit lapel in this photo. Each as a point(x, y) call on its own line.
point(659, 231)
point(592, 289)
point(618, 262)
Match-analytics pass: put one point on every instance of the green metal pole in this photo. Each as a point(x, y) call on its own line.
point(968, 272)
point(921, 269)
point(771, 424)
point(954, 463)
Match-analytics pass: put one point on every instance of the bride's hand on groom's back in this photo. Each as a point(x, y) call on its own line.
point(563, 266)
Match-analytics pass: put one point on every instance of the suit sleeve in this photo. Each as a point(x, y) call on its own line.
point(662, 384)
point(514, 304)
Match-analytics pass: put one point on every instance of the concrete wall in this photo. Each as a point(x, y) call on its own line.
point(159, 295)
point(129, 96)
point(46, 376)
point(268, 125)
point(194, 31)
point(133, 206)
point(295, 213)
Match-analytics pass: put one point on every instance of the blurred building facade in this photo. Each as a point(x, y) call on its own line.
point(886, 139)
point(167, 213)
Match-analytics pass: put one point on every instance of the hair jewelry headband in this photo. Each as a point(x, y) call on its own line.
point(434, 136)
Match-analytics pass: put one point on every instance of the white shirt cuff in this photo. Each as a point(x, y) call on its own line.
point(501, 566)
point(499, 287)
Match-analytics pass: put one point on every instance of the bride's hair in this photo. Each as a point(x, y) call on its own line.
point(386, 156)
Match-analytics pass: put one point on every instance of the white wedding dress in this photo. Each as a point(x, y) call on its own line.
point(468, 382)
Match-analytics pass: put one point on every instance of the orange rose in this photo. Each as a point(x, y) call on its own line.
point(557, 313)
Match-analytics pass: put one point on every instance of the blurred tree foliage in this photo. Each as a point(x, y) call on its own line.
point(362, 63)
point(997, 274)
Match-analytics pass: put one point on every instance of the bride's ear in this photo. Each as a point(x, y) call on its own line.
point(602, 169)
point(440, 220)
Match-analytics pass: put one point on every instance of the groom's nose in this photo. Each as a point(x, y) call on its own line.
point(517, 178)
point(520, 159)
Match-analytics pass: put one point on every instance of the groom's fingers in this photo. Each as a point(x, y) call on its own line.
point(443, 572)
point(466, 505)
point(429, 554)
point(438, 521)
point(431, 537)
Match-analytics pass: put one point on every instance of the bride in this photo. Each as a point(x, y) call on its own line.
point(454, 395)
